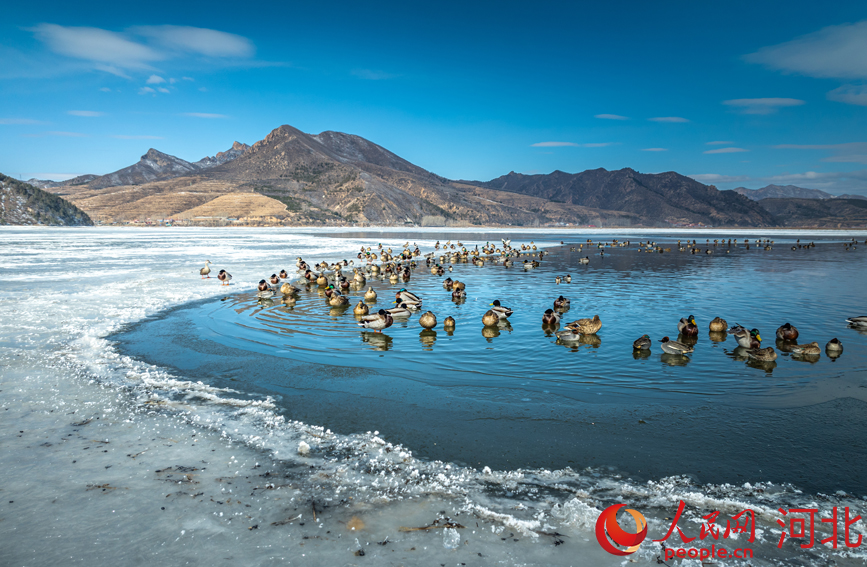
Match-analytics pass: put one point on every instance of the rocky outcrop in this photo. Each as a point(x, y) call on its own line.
point(24, 204)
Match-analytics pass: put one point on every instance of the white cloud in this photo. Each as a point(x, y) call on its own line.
point(187, 79)
point(668, 119)
point(155, 80)
point(834, 182)
point(611, 117)
point(146, 90)
point(726, 151)
point(201, 41)
point(56, 133)
point(203, 115)
point(85, 113)
point(850, 94)
point(853, 152)
point(123, 137)
point(570, 144)
point(163, 90)
point(203, 89)
point(718, 178)
point(20, 121)
point(110, 50)
point(654, 150)
point(718, 143)
point(762, 105)
point(832, 52)
point(373, 75)
point(105, 89)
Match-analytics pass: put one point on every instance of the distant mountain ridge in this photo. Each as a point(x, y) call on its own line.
point(789, 192)
point(24, 204)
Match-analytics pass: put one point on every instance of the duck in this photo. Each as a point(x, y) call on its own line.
point(860, 321)
point(400, 312)
point(206, 270)
point(834, 345)
point(378, 321)
point(642, 343)
point(428, 320)
point(674, 347)
point(687, 327)
point(584, 260)
point(762, 354)
point(586, 326)
point(787, 333)
point(568, 336)
point(338, 300)
point(748, 339)
point(288, 289)
point(410, 305)
point(808, 349)
point(321, 280)
point(490, 319)
point(393, 278)
point(568, 278)
point(459, 285)
point(550, 318)
point(449, 322)
point(459, 294)
point(265, 294)
point(447, 283)
point(369, 295)
point(274, 279)
point(224, 277)
point(561, 303)
point(404, 295)
point(718, 325)
point(501, 311)
point(361, 308)
point(283, 275)
point(263, 286)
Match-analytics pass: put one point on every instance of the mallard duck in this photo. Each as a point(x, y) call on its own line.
point(283, 274)
point(428, 320)
point(528, 265)
point(400, 312)
point(322, 280)
point(412, 306)
point(787, 333)
point(642, 343)
point(361, 308)
point(808, 349)
point(568, 336)
point(501, 311)
point(378, 321)
point(762, 354)
point(584, 260)
point(369, 295)
point(718, 325)
point(834, 345)
point(263, 286)
point(748, 339)
point(206, 270)
point(288, 289)
point(561, 303)
point(550, 318)
point(586, 326)
point(568, 278)
point(394, 278)
point(459, 285)
point(338, 300)
point(407, 296)
point(274, 279)
point(674, 347)
point(860, 321)
point(447, 283)
point(449, 322)
point(459, 294)
point(687, 327)
point(224, 277)
point(490, 319)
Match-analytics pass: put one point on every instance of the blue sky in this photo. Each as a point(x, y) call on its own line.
point(734, 93)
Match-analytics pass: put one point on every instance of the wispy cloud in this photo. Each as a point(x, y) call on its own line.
point(719, 178)
point(850, 94)
point(109, 51)
point(654, 150)
point(726, 151)
point(155, 80)
point(125, 137)
point(832, 52)
point(20, 121)
point(146, 90)
point(668, 119)
point(163, 90)
point(85, 113)
point(762, 105)
point(718, 143)
point(201, 41)
point(611, 117)
point(202, 115)
point(56, 133)
point(570, 144)
point(834, 182)
point(372, 75)
point(853, 152)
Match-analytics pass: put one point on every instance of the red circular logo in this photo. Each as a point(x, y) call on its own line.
point(608, 528)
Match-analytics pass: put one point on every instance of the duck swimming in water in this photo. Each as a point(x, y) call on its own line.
point(642, 343)
point(370, 295)
point(490, 319)
point(586, 326)
point(377, 322)
point(568, 336)
point(787, 333)
point(762, 354)
point(748, 339)
point(808, 349)
point(687, 327)
point(674, 347)
point(561, 303)
point(501, 311)
point(860, 321)
point(718, 325)
point(361, 308)
point(550, 318)
point(834, 345)
point(400, 312)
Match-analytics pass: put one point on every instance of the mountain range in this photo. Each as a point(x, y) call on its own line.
point(291, 177)
point(789, 192)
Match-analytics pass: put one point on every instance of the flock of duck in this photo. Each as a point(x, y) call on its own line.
point(383, 263)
